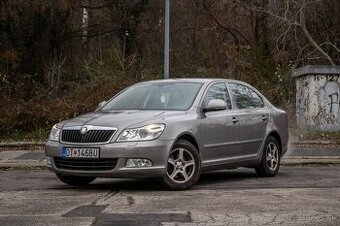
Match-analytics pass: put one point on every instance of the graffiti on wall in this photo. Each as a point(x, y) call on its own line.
point(302, 98)
point(329, 99)
point(318, 101)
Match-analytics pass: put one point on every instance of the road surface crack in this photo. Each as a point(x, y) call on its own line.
point(105, 197)
point(130, 200)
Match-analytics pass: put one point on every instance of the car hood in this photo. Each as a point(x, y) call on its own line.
point(120, 119)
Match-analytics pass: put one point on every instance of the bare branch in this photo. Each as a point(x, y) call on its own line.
point(99, 6)
point(309, 37)
point(331, 44)
point(233, 32)
point(261, 10)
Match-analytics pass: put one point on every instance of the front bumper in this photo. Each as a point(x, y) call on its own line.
point(157, 151)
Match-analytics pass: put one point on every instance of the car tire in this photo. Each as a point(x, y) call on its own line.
point(270, 163)
point(75, 180)
point(183, 166)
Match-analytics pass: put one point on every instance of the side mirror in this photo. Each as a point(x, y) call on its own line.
point(100, 105)
point(215, 105)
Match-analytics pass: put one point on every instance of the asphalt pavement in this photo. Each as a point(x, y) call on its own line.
point(299, 195)
point(306, 192)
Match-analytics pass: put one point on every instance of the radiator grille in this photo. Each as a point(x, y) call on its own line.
point(85, 164)
point(91, 136)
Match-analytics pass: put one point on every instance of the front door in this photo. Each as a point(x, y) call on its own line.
point(220, 128)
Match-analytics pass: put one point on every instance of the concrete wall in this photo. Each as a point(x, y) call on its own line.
point(317, 101)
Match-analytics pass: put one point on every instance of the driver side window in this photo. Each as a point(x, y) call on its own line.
point(217, 91)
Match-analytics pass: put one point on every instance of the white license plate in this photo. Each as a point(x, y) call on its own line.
point(87, 153)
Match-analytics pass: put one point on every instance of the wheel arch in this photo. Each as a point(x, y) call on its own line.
point(277, 137)
point(188, 137)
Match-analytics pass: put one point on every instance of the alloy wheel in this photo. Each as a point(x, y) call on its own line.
point(272, 156)
point(181, 165)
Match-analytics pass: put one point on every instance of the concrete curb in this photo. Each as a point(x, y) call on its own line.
point(21, 144)
point(14, 164)
point(316, 143)
point(310, 160)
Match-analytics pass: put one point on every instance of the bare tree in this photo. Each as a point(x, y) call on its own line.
point(292, 19)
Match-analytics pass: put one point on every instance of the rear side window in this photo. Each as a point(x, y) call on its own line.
point(217, 91)
point(257, 100)
point(244, 97)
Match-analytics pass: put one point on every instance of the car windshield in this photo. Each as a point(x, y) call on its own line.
point(155, 96)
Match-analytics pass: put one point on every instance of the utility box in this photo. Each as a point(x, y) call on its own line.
point(318, 97)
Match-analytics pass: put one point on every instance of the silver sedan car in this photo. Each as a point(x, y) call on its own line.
point(173, 130)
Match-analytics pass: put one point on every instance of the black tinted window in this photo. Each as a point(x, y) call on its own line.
point(217, 91)
point(245, 97)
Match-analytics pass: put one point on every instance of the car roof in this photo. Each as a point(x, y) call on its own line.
point(198, 80)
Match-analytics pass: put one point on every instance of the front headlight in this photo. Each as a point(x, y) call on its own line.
point(149, 132)
point(54, 134)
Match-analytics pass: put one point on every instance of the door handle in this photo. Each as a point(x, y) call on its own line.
point(234, 120)
point(264, 117)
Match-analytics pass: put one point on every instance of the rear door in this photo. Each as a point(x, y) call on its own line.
point(220, 128)
point(253, 117)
